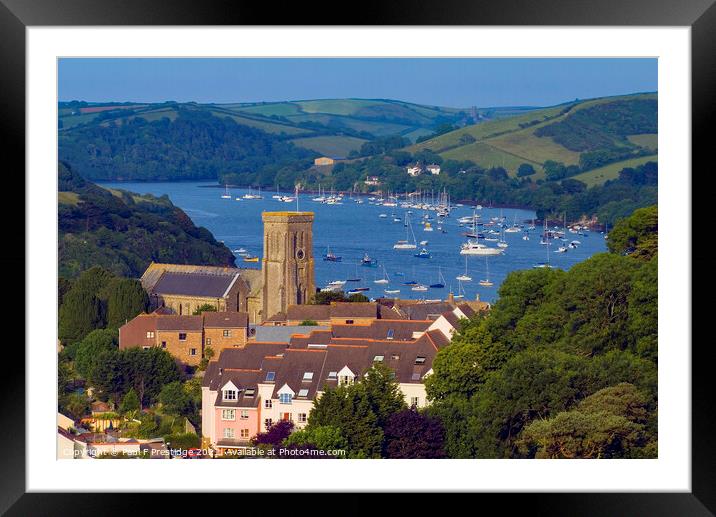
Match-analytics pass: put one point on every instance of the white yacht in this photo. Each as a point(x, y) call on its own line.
point(475, 248)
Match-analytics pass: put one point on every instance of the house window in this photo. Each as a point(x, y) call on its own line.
point(303, 392)
point(164, 344)
point(228, 432)
point(378, 359)
point(268, 403)
point(229, 394)
point(244, 414)
point(395, 357)
point(192, 351)
point(415, 401)
point(391, 333)
point(285, 398)
point(302, 418)
point(182, 336)
point(208, 341)
point(287, 417)
point(270, 376)
point(244, 433)
point(145, 347)
point(228, 414)
point(268, 423)
point(332, 376)
point(349, 322)
point(150, 334)
point(345, 379)
point(227, 333)
point(308, 376)
point(420, 360)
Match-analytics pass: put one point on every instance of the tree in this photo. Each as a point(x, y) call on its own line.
point(81, 312)
point(381, 391)
point(348, 409)
point(462, 366)
point(326, 297)
point(275, 435)
point(89, 350)
point(174, 400)
point(409, 434)
point(324, 437)
point(125, 299)
point(607, 424)
point(644, 309)
point(525, 169)
point(637, 235)
point(207, 307)
point(308, 323)
point(77, 405)
point(130, 404)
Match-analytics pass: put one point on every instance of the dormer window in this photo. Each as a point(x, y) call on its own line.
point(308, 376)
point(285, 398)
point(229, 394)
point(345, 380)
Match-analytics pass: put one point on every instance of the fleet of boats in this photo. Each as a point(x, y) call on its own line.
point(432, 212)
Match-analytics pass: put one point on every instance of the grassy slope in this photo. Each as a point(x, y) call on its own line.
point(611, 171)
point(503, 141)
point(334, 146)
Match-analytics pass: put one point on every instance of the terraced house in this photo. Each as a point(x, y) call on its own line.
point(246, 390)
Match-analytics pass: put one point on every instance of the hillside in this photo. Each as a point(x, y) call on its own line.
point(585, 134)
point(123, 232)
point(330, 126)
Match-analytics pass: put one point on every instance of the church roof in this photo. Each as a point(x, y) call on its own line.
point(195, 284)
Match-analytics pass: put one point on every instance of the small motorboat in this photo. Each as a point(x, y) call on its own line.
point(423, 253)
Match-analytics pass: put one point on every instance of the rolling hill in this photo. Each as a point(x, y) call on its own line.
point(586, 133)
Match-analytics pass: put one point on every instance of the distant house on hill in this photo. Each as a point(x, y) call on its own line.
point(373, 181)
point(324, 160)
point(433, 169)
point(414, 170)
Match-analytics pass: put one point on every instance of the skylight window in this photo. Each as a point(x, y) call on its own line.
point(249, 392)
point(303, 392)
point(391, 333)
point(420, 360)
point(270, 376)
point(308, 376)
point(378, 359)
point(416, 377)
point(333, 375)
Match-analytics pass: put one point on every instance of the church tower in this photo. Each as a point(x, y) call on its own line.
point(287, 261)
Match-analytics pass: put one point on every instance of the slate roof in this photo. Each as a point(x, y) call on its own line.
point(282, 334)
point(226, 320)
point(425, 311)
point(194, 284)
point(172, 322)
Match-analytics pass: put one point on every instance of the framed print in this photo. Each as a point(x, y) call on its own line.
point(426, 248)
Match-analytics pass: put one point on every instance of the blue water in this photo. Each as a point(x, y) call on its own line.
point(352, 229)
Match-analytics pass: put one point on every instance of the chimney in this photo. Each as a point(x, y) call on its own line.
point(477, 297)
point(451, 297)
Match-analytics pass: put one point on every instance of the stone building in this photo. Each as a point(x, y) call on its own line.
point(286, 277)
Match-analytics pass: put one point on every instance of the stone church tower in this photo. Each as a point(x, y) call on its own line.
point(287, 261)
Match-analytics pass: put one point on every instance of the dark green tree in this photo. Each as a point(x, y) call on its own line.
point(81, 313)
point(89, 350)
point(125, 299)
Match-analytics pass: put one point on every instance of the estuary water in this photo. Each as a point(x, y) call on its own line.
point(351, 229)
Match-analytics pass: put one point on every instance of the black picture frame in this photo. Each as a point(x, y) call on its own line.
point(700, 15)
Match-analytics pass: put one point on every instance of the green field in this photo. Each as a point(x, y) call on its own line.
point(333, 146)
point(649, 140)
point(611, 171)
point(282, 109)
point(336, 106)
point(68, 198)
point(269, 127)
point(485, 155)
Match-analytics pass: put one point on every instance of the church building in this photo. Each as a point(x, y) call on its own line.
point(286, 276)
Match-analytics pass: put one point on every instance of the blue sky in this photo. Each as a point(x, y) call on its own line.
point(444, 81)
